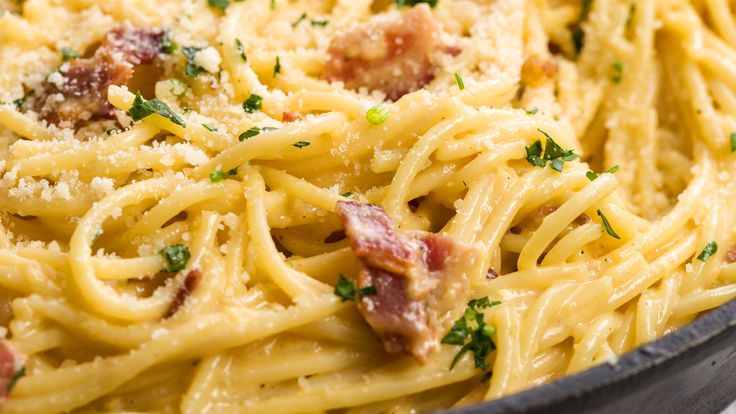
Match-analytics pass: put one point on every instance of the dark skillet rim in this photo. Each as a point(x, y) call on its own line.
point(636, 362)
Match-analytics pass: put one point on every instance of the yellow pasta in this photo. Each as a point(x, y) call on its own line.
point(171, 236)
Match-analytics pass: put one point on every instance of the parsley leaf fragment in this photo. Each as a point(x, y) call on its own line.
point(553, 153)
point(346, 290)
point(411, 3)
point(593, 175)
point(176, 256)
point(709, 250)
point(459, 82)
point(16, 377)
point(607, 226)
point(68, 53)
point(219, 4)
point(217, 176)
point(240, 49)
point(168, 46)
point(301, 144)
point(253, 103)
point(142, 108)
point(191, 69)
point(618, 71)
point(472, 333)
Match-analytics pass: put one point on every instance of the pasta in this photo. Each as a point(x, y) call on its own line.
point(215, 206)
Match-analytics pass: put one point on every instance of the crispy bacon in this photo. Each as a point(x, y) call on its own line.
point(78, 90)
point(191, 281)
point(418, 276)
point(289, 116)
point(10, 363)
point(390, 53)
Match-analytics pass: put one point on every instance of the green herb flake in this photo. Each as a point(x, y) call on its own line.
point(709, 250)
point(299, 20)
point(219, 4)
point(191, 69)
point(249, 133)
point(273, 5)
point(277, 67)
point(553, 154)
point(16, 377)
point(347, 194)
point(532, 111)
point(217, 176)
point(241, 51)
point(630, 16)
point(473, 334)
point(319, 23)
point(168, 46)
point(593, 175)
point(176, 256)
point(210, 128)
point(68, 53)
point(346, 290)
point(459, 82)
point(253, 103)
point(607, 226)
point(733, 141)
point(377, 114)
point(618, 71)
point(577, 34)
point(301, 144)
point(142, 108)
point(411, 3)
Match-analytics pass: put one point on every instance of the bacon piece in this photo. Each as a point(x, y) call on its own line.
point(191, 281)
point(289, 116)
point(78, 90)
point(10, 363)
point(390, 53)
point(419, 278)
point(372, 236)
point(537, 70)
point(730, 256)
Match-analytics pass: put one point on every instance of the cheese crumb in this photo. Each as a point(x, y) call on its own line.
point(209, 59)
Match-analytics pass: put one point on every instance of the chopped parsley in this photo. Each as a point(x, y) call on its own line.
point(253, 103)
point(733, 141)
point(277, 67)
point(593, 175)
point(216, 176)
point(16, 377)
point(168, 46)
point(347, 194)
point(553, 153)
point(19, 102)
point(459, 82)
point(618, 71)
point(68, 53)
point(412, 3)
point(299, 20)
point(377, 114)
point(346, 290)
point(473, 334)
point(273, 5)
point(632, 13)
point(607, 226)
point(177, 87)
point(219, 4)
point(241, 51)
point(709, 250)
point(253, 131)
point(176, 256)
point(319, 23)
point(142, 108)
point(210, 128)
point(192, 69)
point(577, 34)
point(532, 111)
point(301, 144)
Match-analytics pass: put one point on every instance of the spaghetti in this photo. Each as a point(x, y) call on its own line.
point(362, 206)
